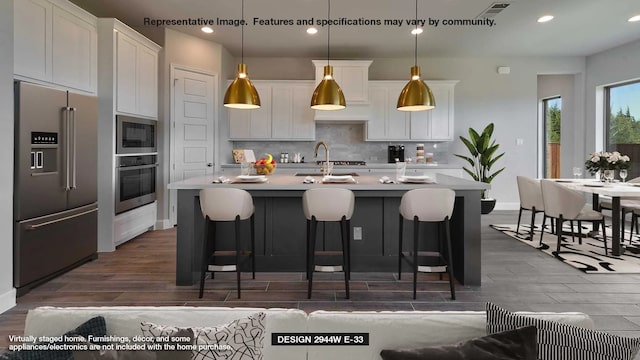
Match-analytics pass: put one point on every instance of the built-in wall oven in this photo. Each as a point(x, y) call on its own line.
point(135, 181)
point(135, 135)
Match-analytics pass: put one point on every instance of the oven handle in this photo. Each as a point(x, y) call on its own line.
point(121, 168)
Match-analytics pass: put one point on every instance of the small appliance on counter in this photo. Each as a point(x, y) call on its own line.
point(395, 152)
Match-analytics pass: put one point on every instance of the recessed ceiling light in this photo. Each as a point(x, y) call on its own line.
point(416, 31)
point(207, 30)
point(634, 18)
point(545, 18)
point(312, 31)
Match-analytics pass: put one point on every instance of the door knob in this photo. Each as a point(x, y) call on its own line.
point(209, 164)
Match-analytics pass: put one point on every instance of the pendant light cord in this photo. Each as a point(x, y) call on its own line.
point(328, 31)
point(242, 34)
point(415, 47)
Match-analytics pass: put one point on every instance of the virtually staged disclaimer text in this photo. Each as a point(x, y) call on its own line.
point(343, 21)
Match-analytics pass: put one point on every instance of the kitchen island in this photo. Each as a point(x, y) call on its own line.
point(280, 227)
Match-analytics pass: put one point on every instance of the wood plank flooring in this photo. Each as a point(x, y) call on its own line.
point(514, 275)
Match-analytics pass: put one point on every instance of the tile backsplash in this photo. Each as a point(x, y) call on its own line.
point(346, 142)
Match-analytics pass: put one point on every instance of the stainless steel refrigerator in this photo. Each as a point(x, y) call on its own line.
point(55, 183)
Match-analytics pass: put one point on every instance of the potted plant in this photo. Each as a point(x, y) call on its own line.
point(482, 149)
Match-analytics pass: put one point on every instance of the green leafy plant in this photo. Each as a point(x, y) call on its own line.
point(482, 149)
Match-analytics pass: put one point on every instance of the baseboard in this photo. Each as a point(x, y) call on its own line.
point(7, 300)
point(163, 224)
point(507, 206)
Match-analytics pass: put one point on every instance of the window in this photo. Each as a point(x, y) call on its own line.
point(552, 120)
point(622, 115)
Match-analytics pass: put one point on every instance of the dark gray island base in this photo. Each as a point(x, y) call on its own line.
point(281, 225)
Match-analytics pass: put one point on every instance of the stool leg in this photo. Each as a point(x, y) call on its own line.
point(449, 256)
point(205, 256)
point(237, 223)
point(416, 230)
point(400, 249)
point(345, 263)
point(306, 264)
point(312, 254)
point(253, 246)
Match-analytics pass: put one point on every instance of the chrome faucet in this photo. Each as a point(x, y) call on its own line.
point(325, 169)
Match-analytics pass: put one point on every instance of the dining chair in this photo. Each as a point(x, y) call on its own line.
point(531, 200)
point(627, 206)
point(564, 204)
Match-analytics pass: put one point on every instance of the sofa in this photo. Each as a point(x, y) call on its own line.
point(386, 329)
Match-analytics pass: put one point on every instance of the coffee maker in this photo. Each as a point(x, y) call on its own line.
point(395, 152)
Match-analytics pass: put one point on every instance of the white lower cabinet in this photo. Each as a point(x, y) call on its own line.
point(132, 223)
point(284, 114)
point(386, 123)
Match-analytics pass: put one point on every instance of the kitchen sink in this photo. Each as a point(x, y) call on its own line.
point(320, 174)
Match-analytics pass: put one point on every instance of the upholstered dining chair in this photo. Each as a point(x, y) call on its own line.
point(564, 204)
point(531, 199)
point(627, 206)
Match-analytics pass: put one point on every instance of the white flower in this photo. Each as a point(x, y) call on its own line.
point(595, 158)
point(625, 158)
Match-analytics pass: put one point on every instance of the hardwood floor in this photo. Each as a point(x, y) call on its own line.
point(514, 275)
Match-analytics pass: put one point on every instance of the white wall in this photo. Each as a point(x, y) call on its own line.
point(609, 67)
point(7, 292)
point(193, 53)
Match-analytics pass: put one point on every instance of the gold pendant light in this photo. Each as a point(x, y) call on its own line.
point(241, 94)
point(416, 95)
point(328, 95)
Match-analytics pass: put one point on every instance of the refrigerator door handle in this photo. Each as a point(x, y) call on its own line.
point(67, 165)
point(73, 150)
point(36, 226)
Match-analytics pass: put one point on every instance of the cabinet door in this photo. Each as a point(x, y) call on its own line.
point(442, 114)
point(303, 125)
point(32, 38)
point(126, 76)
point(260, 119)
point(377, 118)
point(74, 51)
point(282, 112)
point(353, 82)
point(397, 121)
point(147, 82)
point(385, 121)
point(421, 124)
point(239, 124)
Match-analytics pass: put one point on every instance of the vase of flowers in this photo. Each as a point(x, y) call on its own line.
point(606, 162)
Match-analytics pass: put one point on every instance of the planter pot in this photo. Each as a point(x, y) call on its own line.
point(487, 205)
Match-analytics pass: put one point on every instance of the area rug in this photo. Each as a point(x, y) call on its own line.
point(589, 256)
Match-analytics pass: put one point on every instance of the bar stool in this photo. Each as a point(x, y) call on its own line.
point(328, 204)
point(414, 206)
point(224, 205)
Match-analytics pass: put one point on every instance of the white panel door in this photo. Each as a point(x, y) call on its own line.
point(193, 126)
point(32, 39)
point(126, 74)
point(147, 82)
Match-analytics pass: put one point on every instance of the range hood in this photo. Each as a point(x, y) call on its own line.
point(353, 78)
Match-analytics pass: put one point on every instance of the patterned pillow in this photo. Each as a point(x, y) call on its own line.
point(563, 341)
point(519, 344)
point(241, 339)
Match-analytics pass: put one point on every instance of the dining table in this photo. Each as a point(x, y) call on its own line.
point(615, 190)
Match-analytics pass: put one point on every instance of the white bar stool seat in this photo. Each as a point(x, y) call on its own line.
point(431, 206)
point(329, 205)
point(225, 205)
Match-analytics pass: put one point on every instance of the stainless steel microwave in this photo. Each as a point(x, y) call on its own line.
point(135, 135)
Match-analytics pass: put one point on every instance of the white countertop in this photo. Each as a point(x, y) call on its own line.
point(368, 166)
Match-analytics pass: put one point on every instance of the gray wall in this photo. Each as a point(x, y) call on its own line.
point(7, 292)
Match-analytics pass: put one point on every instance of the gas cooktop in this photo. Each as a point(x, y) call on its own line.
point(344, 162)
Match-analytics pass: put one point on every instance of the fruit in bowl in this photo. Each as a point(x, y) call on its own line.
point(265, 166)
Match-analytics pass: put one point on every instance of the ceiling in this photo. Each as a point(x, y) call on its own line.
point(580, 27)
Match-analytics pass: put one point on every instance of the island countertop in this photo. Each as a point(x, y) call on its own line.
point(281, 226)
point(291, 182)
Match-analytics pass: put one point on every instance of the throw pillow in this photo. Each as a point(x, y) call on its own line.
point(519, 344)
point(145, 353)
point(241, 339)
point(563, 341)
point(95, 326)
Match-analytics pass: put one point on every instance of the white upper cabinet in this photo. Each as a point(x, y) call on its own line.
point(136, 73)
point(386, 123)
point(284, 113)
point(55, 42)
point(353, 78)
